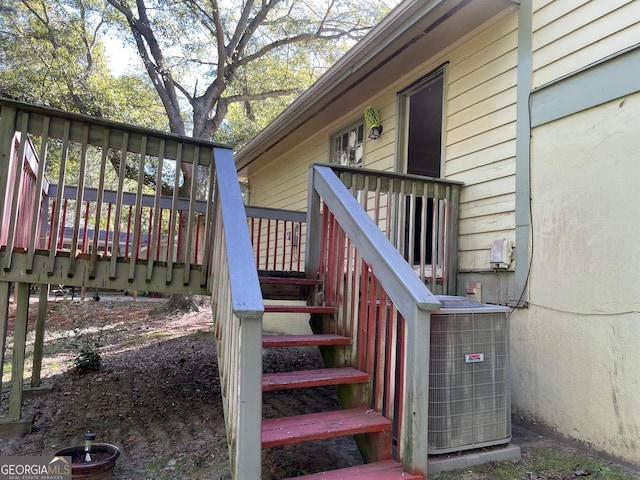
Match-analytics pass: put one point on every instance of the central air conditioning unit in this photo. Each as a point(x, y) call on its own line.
point(469, 392)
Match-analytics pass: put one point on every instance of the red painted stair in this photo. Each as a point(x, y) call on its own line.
point(272, 340)
point(385, 470)
point(312, 378)
point(360, 421)
point(323, 425)
point(310, 309)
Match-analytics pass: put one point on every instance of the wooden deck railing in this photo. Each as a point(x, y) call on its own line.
point(121, 196)
point(382, 304)
point(419, 215)
point(237, 307)
point(277, 238)
point(134, 231)
point(150, 228)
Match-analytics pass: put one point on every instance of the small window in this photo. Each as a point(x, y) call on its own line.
point(347, 146)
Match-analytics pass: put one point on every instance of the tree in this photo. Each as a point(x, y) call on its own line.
point(213, 54)
point(217, 55)
point(52, 53)
point(220, 69)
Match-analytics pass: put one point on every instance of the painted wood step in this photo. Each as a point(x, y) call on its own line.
point(287, 288)
point(311, 309)
point(289, 281)
point(385, 470)
point(320, 426)
point(312, 378)
point(319, 340)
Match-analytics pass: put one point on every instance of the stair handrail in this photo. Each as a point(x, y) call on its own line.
point(410, 295)
point(237, 307)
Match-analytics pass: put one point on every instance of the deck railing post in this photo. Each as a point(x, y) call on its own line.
point(238, 309)
point(4, 324)
point(413, 442)
point(38, 344)
point(314, 226)
point(21, 295)
point(7, 129)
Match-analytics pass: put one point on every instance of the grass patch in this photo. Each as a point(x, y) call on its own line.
point(169, 467)
point(539, 464)
point(199, 333)
point(144, 339)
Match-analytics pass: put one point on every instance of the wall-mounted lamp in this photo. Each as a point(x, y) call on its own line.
point(372, 118)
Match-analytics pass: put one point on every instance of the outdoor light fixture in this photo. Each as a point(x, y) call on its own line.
point(372, 118)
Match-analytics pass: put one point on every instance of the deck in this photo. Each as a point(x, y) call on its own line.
point(96, 204)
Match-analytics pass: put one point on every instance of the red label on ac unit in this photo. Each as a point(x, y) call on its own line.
point(474, 357)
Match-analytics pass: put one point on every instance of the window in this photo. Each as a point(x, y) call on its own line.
point(347, 146)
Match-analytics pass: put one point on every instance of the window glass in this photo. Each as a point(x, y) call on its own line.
point(347, 146)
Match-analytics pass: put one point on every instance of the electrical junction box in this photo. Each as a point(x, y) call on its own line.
point(501, 251)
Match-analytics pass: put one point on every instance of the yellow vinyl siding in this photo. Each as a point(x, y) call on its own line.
point(488, 206)
point(482, 141)
point(283, 183)
point(568, 36)
point(480, 138)
point(457, 168)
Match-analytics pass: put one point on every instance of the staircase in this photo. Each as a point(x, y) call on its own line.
point(373, 430)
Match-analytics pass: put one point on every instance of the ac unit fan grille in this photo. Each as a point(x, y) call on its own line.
point(469, 402)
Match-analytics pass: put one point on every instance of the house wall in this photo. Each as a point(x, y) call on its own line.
point(479, 143)
point(573, 362)
point(568, 35)
point(573, 348)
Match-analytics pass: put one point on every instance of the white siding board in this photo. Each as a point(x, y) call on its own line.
point(482, 141)
point(502, 222)
point(490, 104)
point(584, 34)
point(480, 158)
point(490, 121)
point(475, 260)
point(587, 35)
point(483, 41)
point(585, 57)
point(493, 87)
point(575, 21)
point(486, 73)
point(486, 173)
point(474, 63)
point(488, 206)
point(551, 11)
point(469, 243)
point(494, 188)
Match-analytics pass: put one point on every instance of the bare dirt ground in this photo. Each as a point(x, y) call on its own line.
point(157, 397)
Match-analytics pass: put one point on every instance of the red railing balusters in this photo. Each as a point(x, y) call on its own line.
point(179, 246)
point(159, 234)
point(126, 243)
point(50, 239)
point(106, 233)
point(195, 253)
point(275, 243)
point(85, 228)
point(267, 246)
point(62, 226)
point(255, 245)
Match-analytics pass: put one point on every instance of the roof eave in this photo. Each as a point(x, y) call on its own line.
point(367, 55)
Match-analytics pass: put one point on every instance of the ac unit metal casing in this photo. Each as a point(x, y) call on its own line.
point(469, 391)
